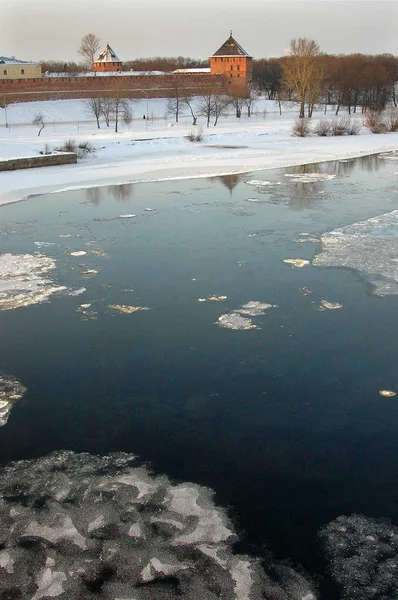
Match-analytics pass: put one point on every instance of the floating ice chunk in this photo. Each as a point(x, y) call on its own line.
point(127, 310)
point(296, 262)
point(236, 322)
point(309, 177)
point(214, 298)
point(369, 246)
point(89, 272)
point(254, 308)
point(127, 216)
point(11, 390)
point(387, 393)
point(149, 210)
point(78, 253)
point(258, 182)
point(44, 244)
point(252, 200)
point(304, 291)
point(98, 252)
point(77, 292)
point(85, 306)
point(325, 305)
point(22, 282)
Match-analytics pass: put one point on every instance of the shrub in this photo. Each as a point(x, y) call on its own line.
point(373, 120)
point(340, 126)
point(301, 128)
point(323, 128)
point(68, 146)
point(195, 135)
point(354, 127)
point(81, 150)
point(392, 119)
point(84, 148)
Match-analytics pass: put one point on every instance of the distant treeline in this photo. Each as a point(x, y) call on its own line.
point(347, 80)
point(157, 63)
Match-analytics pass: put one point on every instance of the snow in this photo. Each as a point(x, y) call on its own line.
point(157, 148)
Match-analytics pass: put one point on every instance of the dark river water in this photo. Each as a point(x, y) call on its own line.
point(285, 421)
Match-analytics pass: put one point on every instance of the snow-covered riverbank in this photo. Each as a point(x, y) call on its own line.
point(158, 148)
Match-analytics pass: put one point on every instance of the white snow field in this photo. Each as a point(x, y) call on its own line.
point(157, 148)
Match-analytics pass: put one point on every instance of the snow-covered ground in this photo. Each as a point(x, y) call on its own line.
point(157, 148)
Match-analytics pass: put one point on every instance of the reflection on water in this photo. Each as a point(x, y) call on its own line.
point(122, 192)
point(230, 181)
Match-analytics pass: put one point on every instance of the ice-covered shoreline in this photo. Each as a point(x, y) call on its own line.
point(159, 150)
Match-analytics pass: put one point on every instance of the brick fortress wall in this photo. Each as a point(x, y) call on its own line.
point(134, 86)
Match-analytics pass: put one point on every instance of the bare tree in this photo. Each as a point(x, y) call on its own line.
point(89, 46)
point(107, 109)
point(213, 104)
point(302, 73)
point(237, 101)
point(175, 103)
point(39, 120)
point(189, 103)
point(93, 108)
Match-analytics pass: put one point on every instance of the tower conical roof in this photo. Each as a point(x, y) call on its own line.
point(231, 48)
point(108, 55)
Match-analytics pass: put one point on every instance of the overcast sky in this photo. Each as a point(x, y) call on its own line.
point(52, 29)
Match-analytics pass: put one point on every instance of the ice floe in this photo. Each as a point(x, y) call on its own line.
point(11, 390)
point(77, 292)
point(309, 177)
point(22, 280)
point(296, 262)
point(255, 308)
point(78, 253)
point(370, 247)
point(127, 310)
point(238, 319)
point(325, 305)
point(213, 298)
point(89, 525)
point(127, 216)
point(387, 393)
point(258, 182)
point(235, 321)
point(88, 314)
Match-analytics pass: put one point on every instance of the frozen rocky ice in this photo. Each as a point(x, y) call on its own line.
point(23, 280)
point(77, 526)
point(370, 247)
point(362, 556)
point(11, 390)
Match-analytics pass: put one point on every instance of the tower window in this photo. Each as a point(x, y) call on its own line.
point(22, 71)
point(5, 72)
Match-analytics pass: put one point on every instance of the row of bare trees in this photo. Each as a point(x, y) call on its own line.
point(211, 104)
point(311, 77)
